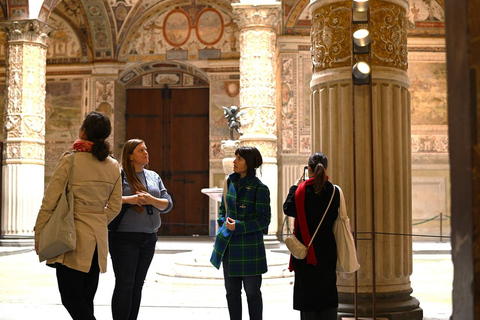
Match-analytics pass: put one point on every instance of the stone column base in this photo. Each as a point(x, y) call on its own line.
point(391, 305)
point(17, 241)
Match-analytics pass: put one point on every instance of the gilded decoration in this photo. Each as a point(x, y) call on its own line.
point(26, 30)
point(258, 65)
point(388, 25)
point(24, 151)
point(268, 148)
point(268, 16)
point(24, 115)
point(330, 37)
point(259, 120)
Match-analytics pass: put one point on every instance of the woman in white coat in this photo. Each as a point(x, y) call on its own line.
point(97, 191)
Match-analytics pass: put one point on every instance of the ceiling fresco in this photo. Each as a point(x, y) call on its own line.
point(107, 29)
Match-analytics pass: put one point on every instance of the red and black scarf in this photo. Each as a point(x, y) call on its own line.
point(301, 221)
point(82, 145)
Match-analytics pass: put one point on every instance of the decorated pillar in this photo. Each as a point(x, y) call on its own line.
point(365, 132)
point(24, 127)
point(258, 67)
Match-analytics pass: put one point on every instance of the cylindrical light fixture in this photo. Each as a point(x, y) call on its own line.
point(361, 41)
point(361, 73)
point(360, 5)
point(360, 11)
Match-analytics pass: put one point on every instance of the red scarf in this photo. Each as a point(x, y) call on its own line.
point(82, 145)
point(301, 221)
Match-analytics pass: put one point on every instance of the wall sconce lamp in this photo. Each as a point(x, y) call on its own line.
point(361, 73)
point(360, 11)
point(361, 41)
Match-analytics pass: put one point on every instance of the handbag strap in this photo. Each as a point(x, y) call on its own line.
point(70, 174)
point(326, 210)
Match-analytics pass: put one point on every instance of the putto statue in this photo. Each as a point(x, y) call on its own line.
point(233, 118)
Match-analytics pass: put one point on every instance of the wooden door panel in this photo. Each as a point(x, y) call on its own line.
point(176, 133)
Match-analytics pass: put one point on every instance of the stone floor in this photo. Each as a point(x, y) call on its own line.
point(28, 289)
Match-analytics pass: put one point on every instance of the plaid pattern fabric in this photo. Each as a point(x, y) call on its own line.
point(248, 202)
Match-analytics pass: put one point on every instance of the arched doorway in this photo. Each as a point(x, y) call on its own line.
point(173, 120)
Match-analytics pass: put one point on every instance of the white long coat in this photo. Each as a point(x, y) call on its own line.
point(97, 190)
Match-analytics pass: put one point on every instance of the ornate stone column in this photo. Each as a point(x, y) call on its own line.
point(258, 67)
point(24, 128)
point(368, 145)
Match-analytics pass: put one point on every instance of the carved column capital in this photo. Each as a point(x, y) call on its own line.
point(249, 15)
point(34, 31)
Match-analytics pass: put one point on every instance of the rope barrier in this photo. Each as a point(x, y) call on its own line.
point(425, 221)
point(285, 222)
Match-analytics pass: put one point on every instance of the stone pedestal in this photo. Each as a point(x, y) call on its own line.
point(367, 141)
point(24, 128)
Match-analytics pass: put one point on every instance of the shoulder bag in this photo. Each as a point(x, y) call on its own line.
point(59, 234)
point(298, 249)
point(346, 253)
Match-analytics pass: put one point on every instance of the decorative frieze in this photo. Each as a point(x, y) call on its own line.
point(33, 31)
point(25, 90)
point(389, 35)
point(257, 16)
point(330, 37)
point(29, 152)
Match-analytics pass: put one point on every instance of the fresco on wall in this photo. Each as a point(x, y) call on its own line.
point(288, 101)
point(223, 92)
point(209, 27)
point(63, 105)
point(63, 45)
point(297, 17)
point(426, 18)
point(186, 33)
point(428, 89)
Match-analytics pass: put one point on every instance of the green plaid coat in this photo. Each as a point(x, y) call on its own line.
point(248, 202)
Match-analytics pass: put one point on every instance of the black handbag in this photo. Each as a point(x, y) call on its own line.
point(113, 225)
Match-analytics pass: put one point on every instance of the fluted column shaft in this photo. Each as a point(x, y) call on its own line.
point(258, 67)
point(24, 126)
point(366, 135)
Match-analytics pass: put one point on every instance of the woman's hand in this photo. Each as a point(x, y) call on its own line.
point(300, 180)
point(136, 199)
point(144, 198)
point(230, 224)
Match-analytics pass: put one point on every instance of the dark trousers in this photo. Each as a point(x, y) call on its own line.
point(132, 253)
point(252, 285)
point(330, 314)
point(77, 289)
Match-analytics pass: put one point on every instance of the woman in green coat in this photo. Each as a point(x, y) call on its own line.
point(239, 241)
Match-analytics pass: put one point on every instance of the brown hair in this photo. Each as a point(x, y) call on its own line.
point(318, 163)
point(97, 128)
point(129, 168)
point(252, 156)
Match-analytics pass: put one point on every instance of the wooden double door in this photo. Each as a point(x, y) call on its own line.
point(175, 127)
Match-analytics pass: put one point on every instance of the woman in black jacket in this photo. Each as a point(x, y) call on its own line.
point(315, 291)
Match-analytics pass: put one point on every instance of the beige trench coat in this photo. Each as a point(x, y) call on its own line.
point(97, 190)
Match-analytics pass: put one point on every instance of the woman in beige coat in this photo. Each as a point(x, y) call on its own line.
point(97, 191)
